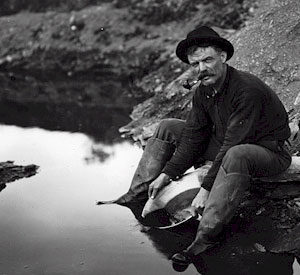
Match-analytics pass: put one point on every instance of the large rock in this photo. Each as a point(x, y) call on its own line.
point(10, 172)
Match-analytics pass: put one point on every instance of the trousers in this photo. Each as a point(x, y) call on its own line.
point(239, 165)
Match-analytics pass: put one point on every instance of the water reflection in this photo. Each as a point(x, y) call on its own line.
point(96, 107)
point(98, 153)
point(51, 223)
point(236, 253)
point(99, 122)
point(2, 186)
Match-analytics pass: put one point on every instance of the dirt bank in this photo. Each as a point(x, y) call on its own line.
point(133, 40)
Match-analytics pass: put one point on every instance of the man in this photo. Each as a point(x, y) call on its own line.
point(236, 120)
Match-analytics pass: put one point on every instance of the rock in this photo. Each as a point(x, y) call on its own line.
point(260, 247)
point(76, 23)
point(10, 172)
point(159, 88)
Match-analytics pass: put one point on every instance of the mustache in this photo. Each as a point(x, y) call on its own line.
point(204, 74)
point(187, 85)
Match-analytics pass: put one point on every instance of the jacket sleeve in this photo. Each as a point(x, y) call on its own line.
point(192, 142)
point(240, 129)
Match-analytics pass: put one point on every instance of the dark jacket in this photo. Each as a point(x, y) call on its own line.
point(245, 110)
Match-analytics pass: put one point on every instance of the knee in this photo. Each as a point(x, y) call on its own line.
point(238, 152)
point(165, 124)
point(236, 160)
point(169, 129)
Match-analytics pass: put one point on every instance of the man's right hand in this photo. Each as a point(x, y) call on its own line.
point(161, 181)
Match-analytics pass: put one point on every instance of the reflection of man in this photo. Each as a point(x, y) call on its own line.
point(236, 120)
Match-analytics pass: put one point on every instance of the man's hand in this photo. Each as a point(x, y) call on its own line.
point(199, 201)
point(161, 181)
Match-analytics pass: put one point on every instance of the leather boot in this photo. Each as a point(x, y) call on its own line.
point(224, 198)
point(156, 153)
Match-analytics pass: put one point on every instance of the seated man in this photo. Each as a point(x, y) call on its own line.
point(236, 120)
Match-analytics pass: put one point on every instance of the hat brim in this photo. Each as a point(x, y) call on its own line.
point(182, 47)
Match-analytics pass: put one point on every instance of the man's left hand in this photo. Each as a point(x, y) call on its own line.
point(199, 202)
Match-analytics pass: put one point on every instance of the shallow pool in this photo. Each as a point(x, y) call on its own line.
point(50, 223)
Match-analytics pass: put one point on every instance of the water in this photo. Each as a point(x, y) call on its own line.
point(50, 223)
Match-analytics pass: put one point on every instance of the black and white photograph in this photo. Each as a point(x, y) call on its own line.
point(150, 137)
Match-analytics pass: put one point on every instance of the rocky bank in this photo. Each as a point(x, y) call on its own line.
point(267, 46)
point(130, 40)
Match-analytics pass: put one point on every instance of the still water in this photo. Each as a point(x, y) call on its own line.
point(50, 223)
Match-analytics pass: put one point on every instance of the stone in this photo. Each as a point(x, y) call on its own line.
point(10, 172)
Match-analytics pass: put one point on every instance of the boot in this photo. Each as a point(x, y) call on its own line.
point(156, 153)
point(224, 198)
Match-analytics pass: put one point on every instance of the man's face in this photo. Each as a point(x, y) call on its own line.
point(210, 65)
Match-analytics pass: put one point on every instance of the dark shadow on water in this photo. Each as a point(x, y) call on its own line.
point(97, 107)
point(97, 155)
point(100, 122)
point(237, 254)
point(93, 105)
point(2, 186)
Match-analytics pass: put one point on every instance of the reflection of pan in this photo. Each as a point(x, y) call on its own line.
point(172, 204)
point(181, 217)
point(175, 224)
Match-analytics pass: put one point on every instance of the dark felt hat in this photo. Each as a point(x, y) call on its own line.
point(203, 36)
